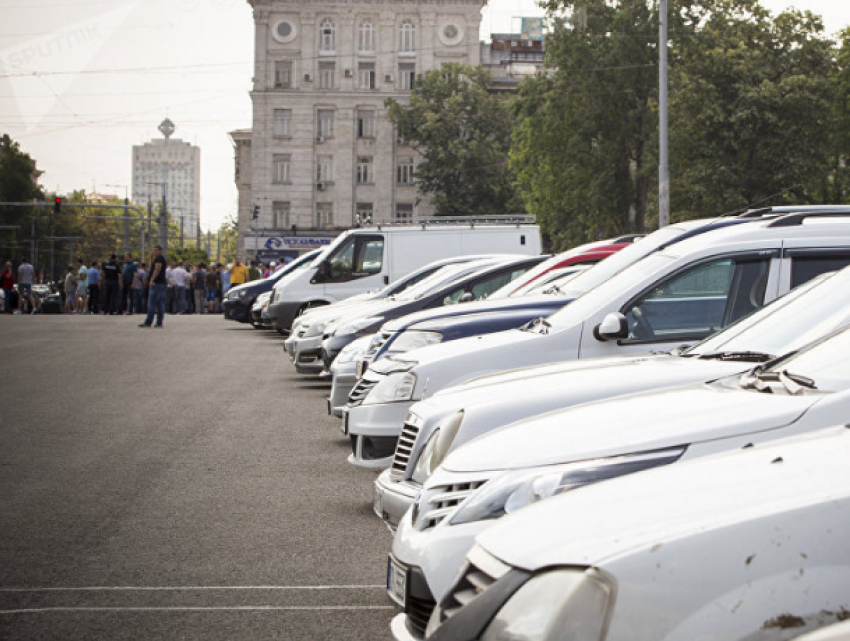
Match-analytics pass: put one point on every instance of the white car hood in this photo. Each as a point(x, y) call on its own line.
point(635, 423)
point(651, 510)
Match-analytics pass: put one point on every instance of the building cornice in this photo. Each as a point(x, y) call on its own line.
point(327, 5)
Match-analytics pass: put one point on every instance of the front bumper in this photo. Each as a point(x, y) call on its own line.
point(237, 309)
point(282, 313)
point(374, 432)
point(333, 345)
point(398, 626)
point(344, 378)
point(391, 499)
point(307, 355)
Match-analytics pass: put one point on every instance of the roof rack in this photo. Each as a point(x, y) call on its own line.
point(797, 218)
point(788, 210)
point(496, 219)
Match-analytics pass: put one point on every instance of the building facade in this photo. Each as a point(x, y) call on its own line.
point(323, 154)
point(171, 167)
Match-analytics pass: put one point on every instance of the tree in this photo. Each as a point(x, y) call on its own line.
point(463, 133)
point(18, 183)
point(750, 110)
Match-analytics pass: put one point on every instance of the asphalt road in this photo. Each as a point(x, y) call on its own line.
point(182, 483)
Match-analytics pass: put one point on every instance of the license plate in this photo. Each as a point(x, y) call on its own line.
point(396, 581)
point(345, 422)
point(378, 501)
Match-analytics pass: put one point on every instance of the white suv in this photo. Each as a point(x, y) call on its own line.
point(680, 292)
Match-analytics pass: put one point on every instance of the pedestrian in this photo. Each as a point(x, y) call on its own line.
point(82, 286)
point(199, 283)
point(169, 292)
point(93, 280)
point(212, 284)
point(225, 280)
point(180, 276)
point(8, 282)
point(111, 285)
point(158, 286)
point(70, 290)
point(128, 273)
point(253, 272)
point(238, 273)
point(25, 276)
point(138, 289)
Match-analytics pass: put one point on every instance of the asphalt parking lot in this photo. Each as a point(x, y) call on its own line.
point(181, 483)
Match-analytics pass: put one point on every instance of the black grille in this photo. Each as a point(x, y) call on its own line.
point(473, 582)
point(378, 447)
point(359, 392)
point(418, 612)
point(403, 451)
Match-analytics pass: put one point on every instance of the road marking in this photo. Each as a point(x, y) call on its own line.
point(194, 588)
point(199, 608)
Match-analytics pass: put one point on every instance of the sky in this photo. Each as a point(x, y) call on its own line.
point(82, 81)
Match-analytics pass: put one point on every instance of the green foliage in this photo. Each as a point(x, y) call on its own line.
point(463, 133)
point(18, 183)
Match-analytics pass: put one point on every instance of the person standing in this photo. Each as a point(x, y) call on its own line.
point(70, 290)
point(26, 272)
point(138, 290)
point(158, 286)
point(253, 272)
point(225, 280)
point(179, 276)
point(8, 282)
point(82, 286)
point(238, 273)
point(111, 284)
point(199, 283)
point(128, 276)
point(212, 284)
point(169, 281)
point(93, 281)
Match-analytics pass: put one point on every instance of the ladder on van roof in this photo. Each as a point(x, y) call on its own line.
point(471, 221)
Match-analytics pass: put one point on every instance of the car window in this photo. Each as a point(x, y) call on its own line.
point(805, 268)
point(358, 257)
point(486, 287)
point(698, 301)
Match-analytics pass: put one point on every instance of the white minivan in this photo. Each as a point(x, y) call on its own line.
point(362, 259)
point(680, 293)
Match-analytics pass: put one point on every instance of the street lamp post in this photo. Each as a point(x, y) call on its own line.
point(663, 149)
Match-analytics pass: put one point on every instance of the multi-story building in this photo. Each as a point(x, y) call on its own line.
point(172, 167)
point(323, 155)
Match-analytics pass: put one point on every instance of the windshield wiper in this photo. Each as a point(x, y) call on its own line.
point(753, 357)
point(760, 380)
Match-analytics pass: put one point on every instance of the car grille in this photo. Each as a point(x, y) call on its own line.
point(418, 613)
point(403, 451)
point(471, 584)
point(359, 391)
point(442, 501)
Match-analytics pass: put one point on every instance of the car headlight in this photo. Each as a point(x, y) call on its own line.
point(517, 489)
point(395, 388)
point(243, 293)
point(409, 341)
point(351, 352)
point(564, 604)
point(315, 329)
point(436, 448)
point(358, 325)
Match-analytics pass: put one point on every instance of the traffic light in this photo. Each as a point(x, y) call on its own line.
point(57, 205)
point(256, 212)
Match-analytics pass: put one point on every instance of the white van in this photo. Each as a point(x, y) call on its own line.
point(366, 258)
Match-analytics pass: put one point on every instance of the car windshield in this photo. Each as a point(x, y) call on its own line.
point(600, 297)
point(554, 282)
point(826, 364)
point(805, 314)
point(604, 270)
point(439, 278)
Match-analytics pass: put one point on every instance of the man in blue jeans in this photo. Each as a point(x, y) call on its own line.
point(158, 285)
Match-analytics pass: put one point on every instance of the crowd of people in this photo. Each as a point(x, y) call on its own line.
point(124, 287)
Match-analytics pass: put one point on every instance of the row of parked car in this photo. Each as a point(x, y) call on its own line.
point(702, 372)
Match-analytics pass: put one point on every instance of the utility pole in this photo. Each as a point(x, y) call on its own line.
point(163, 220)
point(663, 147)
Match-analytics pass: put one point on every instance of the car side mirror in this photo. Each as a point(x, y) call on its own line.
point(467, 296)
point(613, 327)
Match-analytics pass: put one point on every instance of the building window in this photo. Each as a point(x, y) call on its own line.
point(366, 37)
point(324, 215)
point(280, 215)
point(404, 211)
point(404, 171)
point(283, 123)
point(407, 76)
point(324, 169)
point(407, 37)
point(364, 169)
point(284, 31)
point(366, 124)
point(327, 70)
point(325, 123)
point(281, 168)
point(282, 74)
point(327, 36)
point(366, 75)
point(364, 214)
